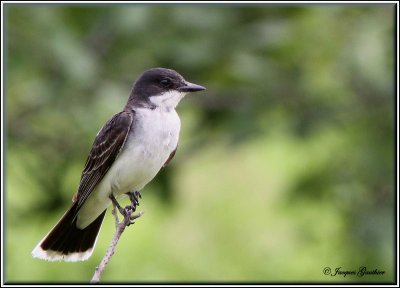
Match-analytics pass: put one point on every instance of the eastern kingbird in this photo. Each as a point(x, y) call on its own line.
point(127, 153)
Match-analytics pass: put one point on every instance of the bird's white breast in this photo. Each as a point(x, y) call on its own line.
point(153, 137)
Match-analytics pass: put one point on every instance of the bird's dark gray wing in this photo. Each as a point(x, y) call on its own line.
point(106, 147)
point(170, 157)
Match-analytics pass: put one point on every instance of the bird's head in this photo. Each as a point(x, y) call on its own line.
point(162, 88)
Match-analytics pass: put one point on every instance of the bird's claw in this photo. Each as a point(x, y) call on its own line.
point(127, 212)
point(134, 198)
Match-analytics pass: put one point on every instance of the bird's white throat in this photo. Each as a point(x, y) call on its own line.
point(168, 100)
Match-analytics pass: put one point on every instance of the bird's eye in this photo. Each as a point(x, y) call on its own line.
point(166, 82)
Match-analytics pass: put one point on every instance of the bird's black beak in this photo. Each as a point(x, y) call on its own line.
point(190, 87)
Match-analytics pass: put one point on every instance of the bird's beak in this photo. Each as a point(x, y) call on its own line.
point(190, 87)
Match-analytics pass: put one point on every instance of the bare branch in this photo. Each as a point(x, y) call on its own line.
point(115, 213)
point(119, 229)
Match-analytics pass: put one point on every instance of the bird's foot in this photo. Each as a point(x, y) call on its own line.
point(127, 212)
point(116, 204)
point(134, 198)
point(129, 216)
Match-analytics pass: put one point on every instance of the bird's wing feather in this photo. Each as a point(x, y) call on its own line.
point(105, 149)
point(170, 157)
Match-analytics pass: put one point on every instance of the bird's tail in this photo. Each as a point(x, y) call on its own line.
point(67, 242)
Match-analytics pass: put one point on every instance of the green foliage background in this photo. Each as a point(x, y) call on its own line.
point(286, 161)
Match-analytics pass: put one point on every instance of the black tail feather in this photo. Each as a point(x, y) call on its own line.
point(67, 242)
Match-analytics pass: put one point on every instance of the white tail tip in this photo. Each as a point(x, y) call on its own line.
point(51, 255)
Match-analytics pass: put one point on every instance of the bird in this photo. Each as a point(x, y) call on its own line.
point(127, 153)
